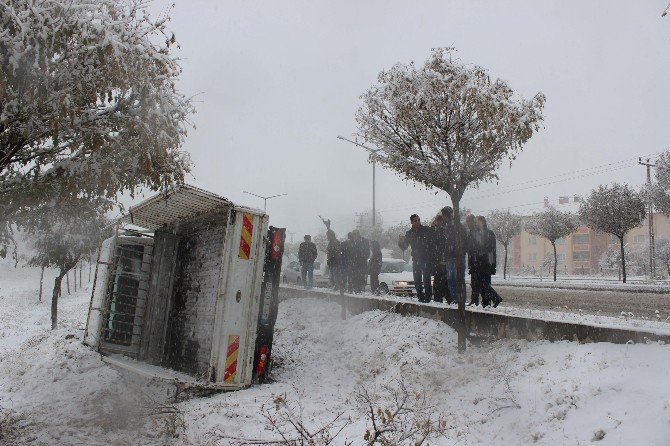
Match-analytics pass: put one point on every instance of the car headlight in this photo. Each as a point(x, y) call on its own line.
point(400, 282)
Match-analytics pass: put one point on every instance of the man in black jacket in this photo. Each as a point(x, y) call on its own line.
point(486, 263)
point(307, 256)
point(361, 253)
point(422, 240)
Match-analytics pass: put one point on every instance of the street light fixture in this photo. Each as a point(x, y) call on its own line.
point(265, 199)
point(374, 213)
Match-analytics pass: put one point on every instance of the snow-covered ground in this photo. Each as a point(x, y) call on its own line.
point(54, 390)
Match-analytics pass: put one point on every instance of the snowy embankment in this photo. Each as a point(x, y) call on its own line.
point(506, 392)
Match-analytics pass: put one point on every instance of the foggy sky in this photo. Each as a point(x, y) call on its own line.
point(276, 82)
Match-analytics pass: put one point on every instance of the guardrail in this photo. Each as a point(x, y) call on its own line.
point(483, 324)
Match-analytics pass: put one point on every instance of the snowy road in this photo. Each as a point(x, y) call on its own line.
point(597, 302)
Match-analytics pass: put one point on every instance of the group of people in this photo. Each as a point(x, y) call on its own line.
point(349, 262)
point(434, 255)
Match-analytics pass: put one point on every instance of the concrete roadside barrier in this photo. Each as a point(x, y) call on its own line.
point(485, 324)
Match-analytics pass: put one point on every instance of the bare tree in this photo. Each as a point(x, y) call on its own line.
point(446, 125)
point(89, 104)
point(408, 418)
point(505, 225)
point(552, 224)
point(614, 209)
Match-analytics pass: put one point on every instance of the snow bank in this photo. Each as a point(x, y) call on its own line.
point(504, 392)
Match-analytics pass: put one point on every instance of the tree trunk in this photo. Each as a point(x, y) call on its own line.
point(460, 276)
point(623, 260)
point(67, 282)
point(74, 278)
point(90, 267)
point(80, 268)
point(41, 282)
point(555, 260)
point(505, 265)
point(57, 292)
point(54, 299)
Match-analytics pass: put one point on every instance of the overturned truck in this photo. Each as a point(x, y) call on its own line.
point(186, 289)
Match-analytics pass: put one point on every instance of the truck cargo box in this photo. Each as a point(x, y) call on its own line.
point(179, 286)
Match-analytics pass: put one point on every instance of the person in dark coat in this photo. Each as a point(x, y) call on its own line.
point(361, 253)
point(347, 254)
point(375, 266)
point(422, 240)
point(486, 263)
point(471, 243)
point(307, 256)
point(440, 288)
point(452, 231)
point(333, 259)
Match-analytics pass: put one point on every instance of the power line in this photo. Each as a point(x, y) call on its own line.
point(614, 166)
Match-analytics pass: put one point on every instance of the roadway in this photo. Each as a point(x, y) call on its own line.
point(600, 302)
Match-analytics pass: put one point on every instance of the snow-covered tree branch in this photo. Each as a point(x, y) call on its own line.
point(88, 102)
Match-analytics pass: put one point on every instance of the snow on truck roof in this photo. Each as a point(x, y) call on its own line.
point(169, 207)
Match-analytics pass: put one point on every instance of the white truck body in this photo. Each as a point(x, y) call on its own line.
point(183, 291)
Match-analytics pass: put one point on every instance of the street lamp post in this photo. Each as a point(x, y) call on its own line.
point(265, 199)
point(374, 212)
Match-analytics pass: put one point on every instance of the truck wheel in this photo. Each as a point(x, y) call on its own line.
point(383, 288)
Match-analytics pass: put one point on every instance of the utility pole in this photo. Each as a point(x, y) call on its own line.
point(652, 254)
point(291, 234)
point(265, 199)
point(356, 143)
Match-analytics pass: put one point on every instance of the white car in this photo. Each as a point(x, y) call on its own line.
point(396, 277)
point(291, 274)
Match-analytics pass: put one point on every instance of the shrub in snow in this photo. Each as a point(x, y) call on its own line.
point(88, 103)
point(614, 209)
point(447, 125)
point(552, 224)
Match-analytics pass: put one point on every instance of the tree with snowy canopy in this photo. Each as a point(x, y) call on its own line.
point(659, 192)
point(662, 252)
point(446, 125)
point(552, 224)
point(505, 225)
point(62, 235)
point(614, 209)
point(88, 104)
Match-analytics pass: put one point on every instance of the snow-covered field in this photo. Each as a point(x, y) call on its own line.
point(54, 390)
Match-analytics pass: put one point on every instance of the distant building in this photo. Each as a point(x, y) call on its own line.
point(581, 251)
